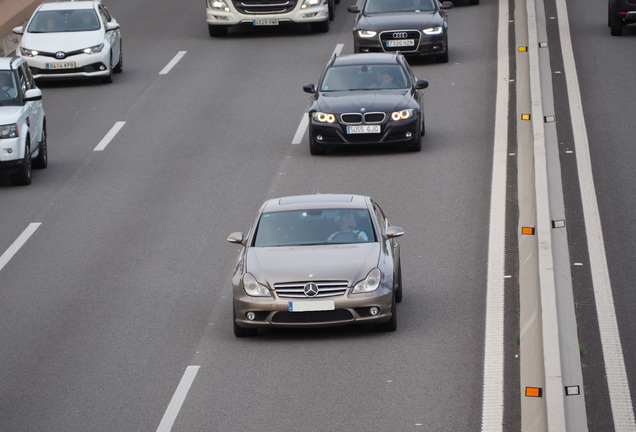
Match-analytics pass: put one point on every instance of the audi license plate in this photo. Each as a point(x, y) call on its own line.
point(61, 65)
point(265, 22)
point(313, 305)
point(363, 129)
point(400, 43)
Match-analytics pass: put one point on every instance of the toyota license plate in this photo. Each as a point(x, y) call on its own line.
point(400, 43)
point(61, 65)
point(265, 22)
point(363, 129)
point(313, 305)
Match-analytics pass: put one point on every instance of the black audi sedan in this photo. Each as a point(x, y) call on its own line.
point(417, 27)
point(366, 99)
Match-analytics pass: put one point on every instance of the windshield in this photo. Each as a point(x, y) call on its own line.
point(8, 89)
point(383, 6)
point(364, 77)
point(314, 227)
point(64, 21)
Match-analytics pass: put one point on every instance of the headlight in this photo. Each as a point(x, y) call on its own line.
point(324, 117)
point(310, 3)
point(433, 30)
point(367, 33)
point(9, 131)
point(370, 283)
point(253, 288)
point(28, 53)
point(94, 50)
point(219, 5)
point(402, 115)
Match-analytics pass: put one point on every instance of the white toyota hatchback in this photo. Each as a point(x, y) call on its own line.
point(71, 39)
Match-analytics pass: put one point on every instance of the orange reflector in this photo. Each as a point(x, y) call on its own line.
point(525, 116)
point(527, 230)
point(534, 391)
point(523, 49)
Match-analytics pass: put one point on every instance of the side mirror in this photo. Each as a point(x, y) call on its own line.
point(112, 26)
point(394, 231)
point(309, 88)
point(236, 237)
point(33, 95)
point(354, 9)
point(18, 30)
point(448, 5)
point(421, 84)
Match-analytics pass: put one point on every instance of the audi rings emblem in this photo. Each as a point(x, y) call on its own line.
point(60, 55)
point(400, 35)
point(311, 289)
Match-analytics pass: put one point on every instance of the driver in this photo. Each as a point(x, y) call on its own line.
point(6, 85)
point(347, 224)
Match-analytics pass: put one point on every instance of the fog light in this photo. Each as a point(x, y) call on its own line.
point(374, 310)
point(251, 316)
point(102, 67)
point(319, 138)
point(409, 134)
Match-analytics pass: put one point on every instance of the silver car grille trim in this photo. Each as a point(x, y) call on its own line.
point(297, 289)
point(362, 116)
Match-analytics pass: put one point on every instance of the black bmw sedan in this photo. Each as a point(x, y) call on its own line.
point(366, 99)
point(417, 27)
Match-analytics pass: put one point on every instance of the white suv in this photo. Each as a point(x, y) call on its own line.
point(22, 122)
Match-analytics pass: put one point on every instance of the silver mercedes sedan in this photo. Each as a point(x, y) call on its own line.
point(317, 261)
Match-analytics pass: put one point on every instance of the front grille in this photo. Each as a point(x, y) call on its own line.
point(356, 118)
point(351, 118)
point(400, 35)
point(312, 316)
point(264, 7)
point(297, 289)
point(375, 117)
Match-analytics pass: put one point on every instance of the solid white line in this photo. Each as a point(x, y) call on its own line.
point(172, 62)
point(493, 400)
point(177, 399)
point(618, 385)
point(18, 243)
point(109, 136)
point(302, 127)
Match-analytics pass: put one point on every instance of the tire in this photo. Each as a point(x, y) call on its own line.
point(314, 149)
point(42, 159)
point(398, 289)
point(332, 10)
point(390, 325)
point(23, 177)
point(119, 67)
point(473, 2)
point(442, 58)
point(616, 25)
point(320, 27)
point(217, 31)
point(109, 78)
point(240, 331)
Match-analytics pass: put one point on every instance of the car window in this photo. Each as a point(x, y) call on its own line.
point(385, 6)
point(103, 12)
point(9, 89)
point(25, 75)
point(314, 227)
point(364, 77)
point(70, 20)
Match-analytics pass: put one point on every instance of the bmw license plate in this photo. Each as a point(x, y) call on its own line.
point(61, 65)
point(265, 22)
point(363, 129)
point(313, 305)
point(400, 43)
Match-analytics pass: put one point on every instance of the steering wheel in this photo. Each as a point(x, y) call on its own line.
point(344, 234)
point(5, 94)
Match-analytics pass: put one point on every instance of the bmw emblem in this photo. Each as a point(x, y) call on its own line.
point(60, 55)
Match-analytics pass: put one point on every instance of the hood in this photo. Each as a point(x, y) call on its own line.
point(10, 114)
point(400, 21)
point(371, 100)
point(350, 262)
point(54, 42)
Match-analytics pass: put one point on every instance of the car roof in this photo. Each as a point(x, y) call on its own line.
point(315, 201)
point(9, 63)
point(366, 58)
point(65, 5)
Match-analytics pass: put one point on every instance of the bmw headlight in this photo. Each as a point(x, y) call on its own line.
point(433, 31)
point(402, 115)
point(368, 284)
point(367, 33)
point(28, 53)
point(8, 131)
point(94, 50)
point(310, 3)
point(218, 5)
point(324, 117)
point(253, 288)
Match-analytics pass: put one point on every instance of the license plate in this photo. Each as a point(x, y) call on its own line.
point(313, 305)
point(400, 43)
point(61, 65)
point(265, 22)
point(363, 129)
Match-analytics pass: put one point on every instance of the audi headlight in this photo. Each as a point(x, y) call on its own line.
point(28, 53)
point(402, 115)
point(253, 288)
point(367, 33)
point(433, 31)
point(368, 284)
point(310, 3)
point(9, 131)
point(219, 5)
point(93, 50)
point(324, 117)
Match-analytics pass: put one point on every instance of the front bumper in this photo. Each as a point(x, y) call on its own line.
point(297, 15)
point(84, 66)
point(11, 159)
point(425, 46)
point(349, 309)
